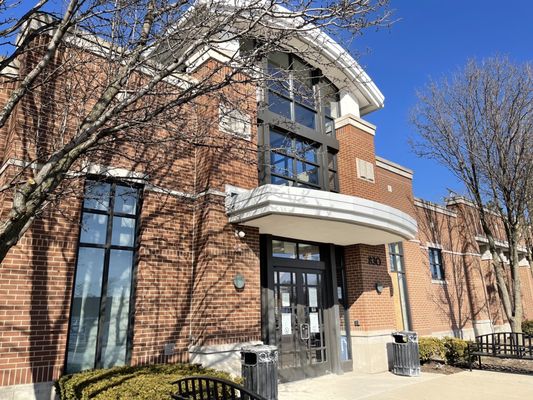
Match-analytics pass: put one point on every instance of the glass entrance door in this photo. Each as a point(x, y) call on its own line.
point(299, 322)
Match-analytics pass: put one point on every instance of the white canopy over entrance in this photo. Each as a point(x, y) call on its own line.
point(319, 216)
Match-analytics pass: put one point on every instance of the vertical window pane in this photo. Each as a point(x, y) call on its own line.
point(330, 100)
point(280, 142)
point(125, 200)
point(123, 231)
point(303, 84)
point(279, 105)
point(306, 150)
point(85, 310)
point(329, 125)
point(283, 249)
point(97, 195)
point(116, 319)
point(307, 173)
point(333, 181)
point(435, 261)
point(332, 160)
point(93, 228)
point(305, 116)
point(278, 79)
point(281, 164)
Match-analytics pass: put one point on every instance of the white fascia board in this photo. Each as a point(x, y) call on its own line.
point(503, 244)
point(341, 68)
point(357, 122)
point(428, 205)
point(393, 167)
point(300, 205)
point(103, 48)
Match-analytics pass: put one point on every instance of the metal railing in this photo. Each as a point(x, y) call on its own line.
point(502, 345)
point(209, 388)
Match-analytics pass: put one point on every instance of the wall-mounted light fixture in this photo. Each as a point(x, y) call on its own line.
point(239, 281)
point(240, 234)
point(379, 287)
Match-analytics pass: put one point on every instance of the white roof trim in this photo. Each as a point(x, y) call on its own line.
point(393, 167)
point(500, 243)
point(359, 123)
point(428, 205)
point(340, 66)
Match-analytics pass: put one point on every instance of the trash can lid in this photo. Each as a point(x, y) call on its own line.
point(405, 333)
point(258, 348)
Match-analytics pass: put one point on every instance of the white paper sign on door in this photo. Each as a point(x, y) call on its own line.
point(314, 327)
point(285, 299)
point(313, 302)
point(286, 324)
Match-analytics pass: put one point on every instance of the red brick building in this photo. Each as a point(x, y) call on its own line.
point(318, 246)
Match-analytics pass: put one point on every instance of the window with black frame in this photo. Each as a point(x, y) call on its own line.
point(293, 161)
point(100, 312)
point(298, 130)
point(396, 257)
point(344, 320)
point(435, 263)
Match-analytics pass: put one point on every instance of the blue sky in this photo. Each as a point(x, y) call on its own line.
point(433, 39)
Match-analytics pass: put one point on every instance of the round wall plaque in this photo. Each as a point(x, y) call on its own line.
point(239, 281)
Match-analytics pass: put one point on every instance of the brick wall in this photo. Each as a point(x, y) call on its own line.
point(35, 290)
point(469, 292)
point(188, 255)
point(373, 310)
point(400, 195)
point(353, 144)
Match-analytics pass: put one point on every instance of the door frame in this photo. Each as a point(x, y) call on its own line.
point(331, 308)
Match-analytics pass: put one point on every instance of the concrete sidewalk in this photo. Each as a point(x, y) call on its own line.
point(482, 385)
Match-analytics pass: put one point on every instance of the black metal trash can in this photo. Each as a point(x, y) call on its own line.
point(260, 370)
point(406, 360)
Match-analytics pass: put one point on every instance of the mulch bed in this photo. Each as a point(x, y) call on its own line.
point(434, 367)
point(487, 363)
point(505, 365)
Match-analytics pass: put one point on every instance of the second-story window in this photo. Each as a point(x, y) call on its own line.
point(298, 133)
point(293, 161)
point(291, 91)
point(435, 263)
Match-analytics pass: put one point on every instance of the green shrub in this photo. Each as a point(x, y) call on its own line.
point(431, 348)
point(527, 327)
point(149, 382)
point(456, 351)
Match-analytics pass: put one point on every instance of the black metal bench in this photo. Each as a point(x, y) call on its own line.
point(209, 388)
point(501, 345)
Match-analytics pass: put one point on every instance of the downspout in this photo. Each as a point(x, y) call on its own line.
point(193, 247)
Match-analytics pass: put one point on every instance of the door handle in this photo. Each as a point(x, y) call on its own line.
point(304, 331)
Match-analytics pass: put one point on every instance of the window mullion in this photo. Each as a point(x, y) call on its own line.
point(105, 273)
